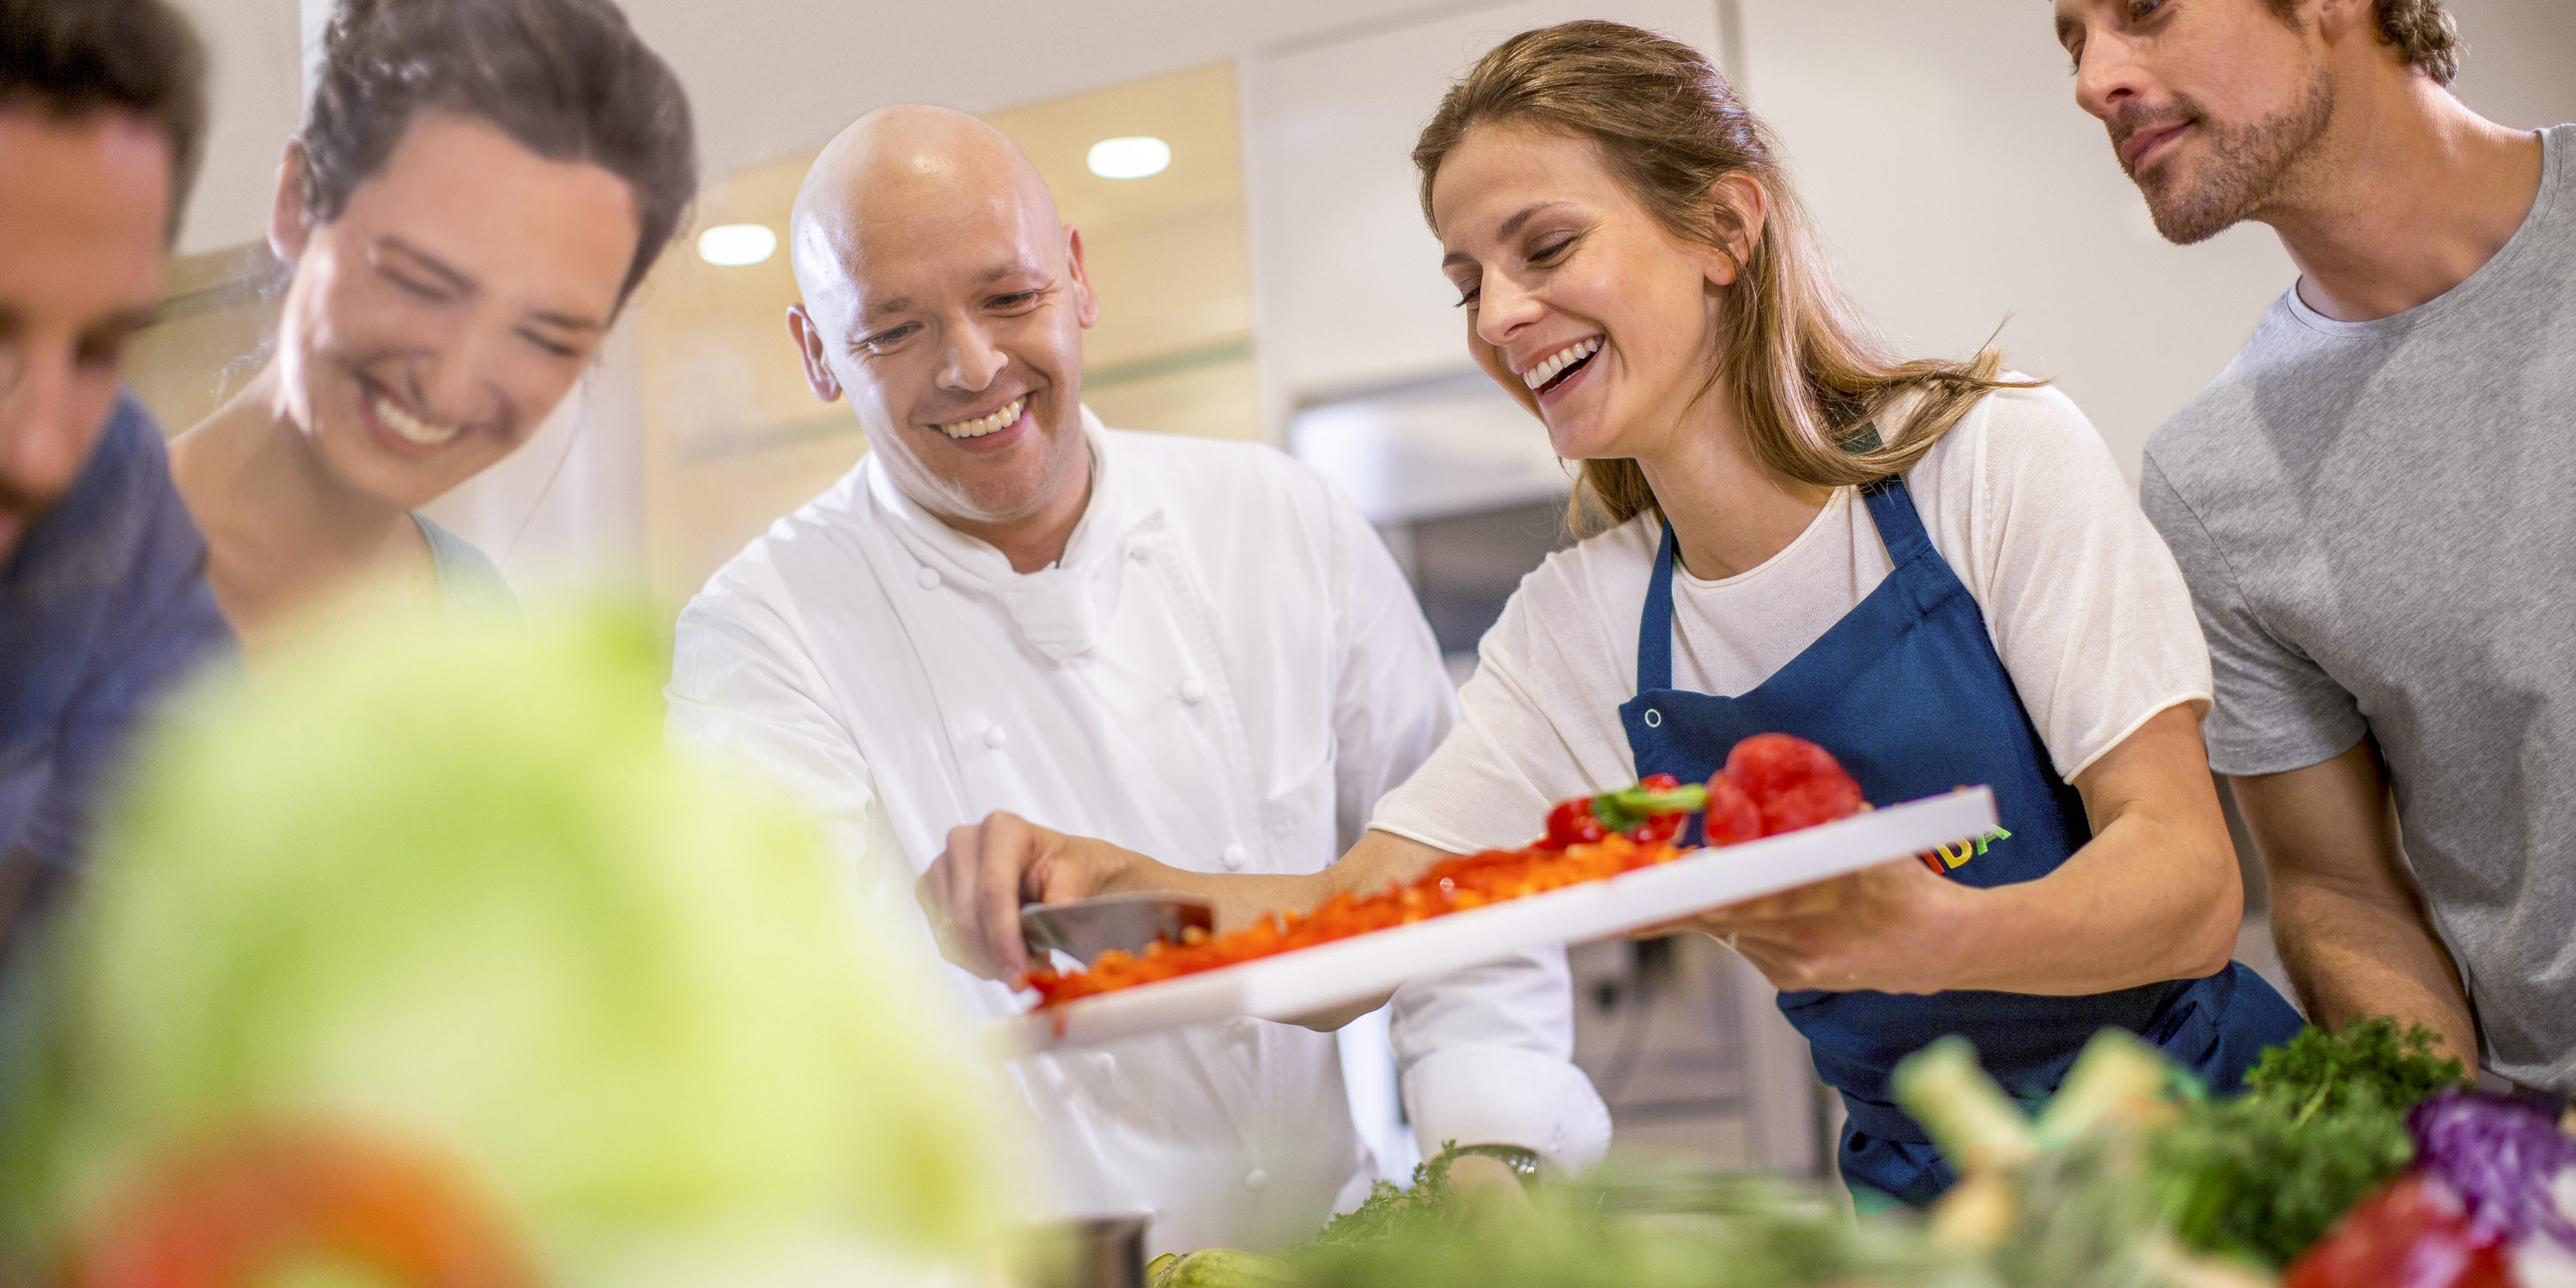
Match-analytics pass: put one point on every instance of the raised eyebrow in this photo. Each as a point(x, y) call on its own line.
point(897, 305)
point(999, 271)
point(431, 264)
point(1502, 233)
point(566, 321)
point(1514, 224)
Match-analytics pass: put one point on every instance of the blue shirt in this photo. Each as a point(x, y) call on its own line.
point(102, 607)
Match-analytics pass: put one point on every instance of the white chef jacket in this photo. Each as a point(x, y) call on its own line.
point(1224, 671)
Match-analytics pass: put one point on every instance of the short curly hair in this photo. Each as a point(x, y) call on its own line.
point(2422, 29)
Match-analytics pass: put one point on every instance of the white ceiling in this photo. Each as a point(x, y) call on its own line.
point(771, 78)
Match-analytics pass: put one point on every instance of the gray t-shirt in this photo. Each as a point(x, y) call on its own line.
point(2378, 521)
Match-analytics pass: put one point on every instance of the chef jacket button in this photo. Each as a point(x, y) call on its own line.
point(995, 737)
point(929, 579)
point(1234, 858)
point(1255, 1180)
point(1140, 552)
point(1245, 1027)
point(1104, 1064)
point(1193, 690)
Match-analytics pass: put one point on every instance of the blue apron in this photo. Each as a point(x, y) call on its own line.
point(1908, 693)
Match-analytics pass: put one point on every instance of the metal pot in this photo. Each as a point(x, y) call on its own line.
point(1087, 1252)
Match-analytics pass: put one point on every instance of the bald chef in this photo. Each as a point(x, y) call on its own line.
point(1195, 649)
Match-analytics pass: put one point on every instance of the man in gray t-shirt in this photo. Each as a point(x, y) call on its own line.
point(2375, 503)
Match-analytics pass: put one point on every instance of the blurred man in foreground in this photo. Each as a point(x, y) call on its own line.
point(1198, 650)
point(2370, 502)
point(103, 597)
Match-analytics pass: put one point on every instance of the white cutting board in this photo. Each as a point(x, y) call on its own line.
point(1309, 980)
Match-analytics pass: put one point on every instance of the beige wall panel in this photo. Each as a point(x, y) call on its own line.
point(733, 436)
point(1214, 401)
point(705, 511)
point(1167, 284)
point(218, 312)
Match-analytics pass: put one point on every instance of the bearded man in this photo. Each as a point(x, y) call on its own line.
point(2370, 502)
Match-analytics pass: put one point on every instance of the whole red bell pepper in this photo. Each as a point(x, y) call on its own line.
point(2409, 1233)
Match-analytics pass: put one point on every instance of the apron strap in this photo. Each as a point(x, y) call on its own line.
point(1655, 626)
point(1891, 507)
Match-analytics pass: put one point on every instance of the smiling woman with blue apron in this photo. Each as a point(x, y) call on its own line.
point(1974, 600)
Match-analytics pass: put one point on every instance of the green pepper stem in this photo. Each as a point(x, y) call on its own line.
point(1630, 807)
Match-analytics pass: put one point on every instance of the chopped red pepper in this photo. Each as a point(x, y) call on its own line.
point(1787, 783)
point(1572, 823)
point(1653, 810)
point(1470, 881)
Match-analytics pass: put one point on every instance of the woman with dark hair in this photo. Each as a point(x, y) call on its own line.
point(476, 190)
point(1932, 568)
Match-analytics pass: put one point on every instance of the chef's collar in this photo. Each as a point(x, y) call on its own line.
point(1060, 609)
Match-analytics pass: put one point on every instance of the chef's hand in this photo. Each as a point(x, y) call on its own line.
point(974, 890)
point(1896, 928)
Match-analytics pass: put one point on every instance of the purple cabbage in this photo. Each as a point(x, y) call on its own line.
point(2501, 1154)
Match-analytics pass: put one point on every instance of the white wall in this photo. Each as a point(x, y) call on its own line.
point(1346, 278)
point(773, 78)
point(1955, 180)
point(1958, 186)
point(255, 96)
point(564, 515)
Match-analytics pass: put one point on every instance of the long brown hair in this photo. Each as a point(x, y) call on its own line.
point(1805, 373)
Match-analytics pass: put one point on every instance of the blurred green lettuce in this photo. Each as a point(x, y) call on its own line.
point(449, 881)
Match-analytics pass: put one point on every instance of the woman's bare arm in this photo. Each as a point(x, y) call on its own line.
point(2154, 896)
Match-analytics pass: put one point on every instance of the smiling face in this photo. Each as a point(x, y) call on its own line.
point(1578, 301)
point(84, 204)
point(944, 299)
point(442, 315)
point(2211, 105)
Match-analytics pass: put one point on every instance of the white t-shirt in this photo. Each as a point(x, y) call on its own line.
point(2023, 501)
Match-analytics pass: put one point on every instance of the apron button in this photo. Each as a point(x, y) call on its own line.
point(1654, 718)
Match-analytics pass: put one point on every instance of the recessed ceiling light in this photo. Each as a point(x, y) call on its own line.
point(1132, 157)
point(736, 245)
